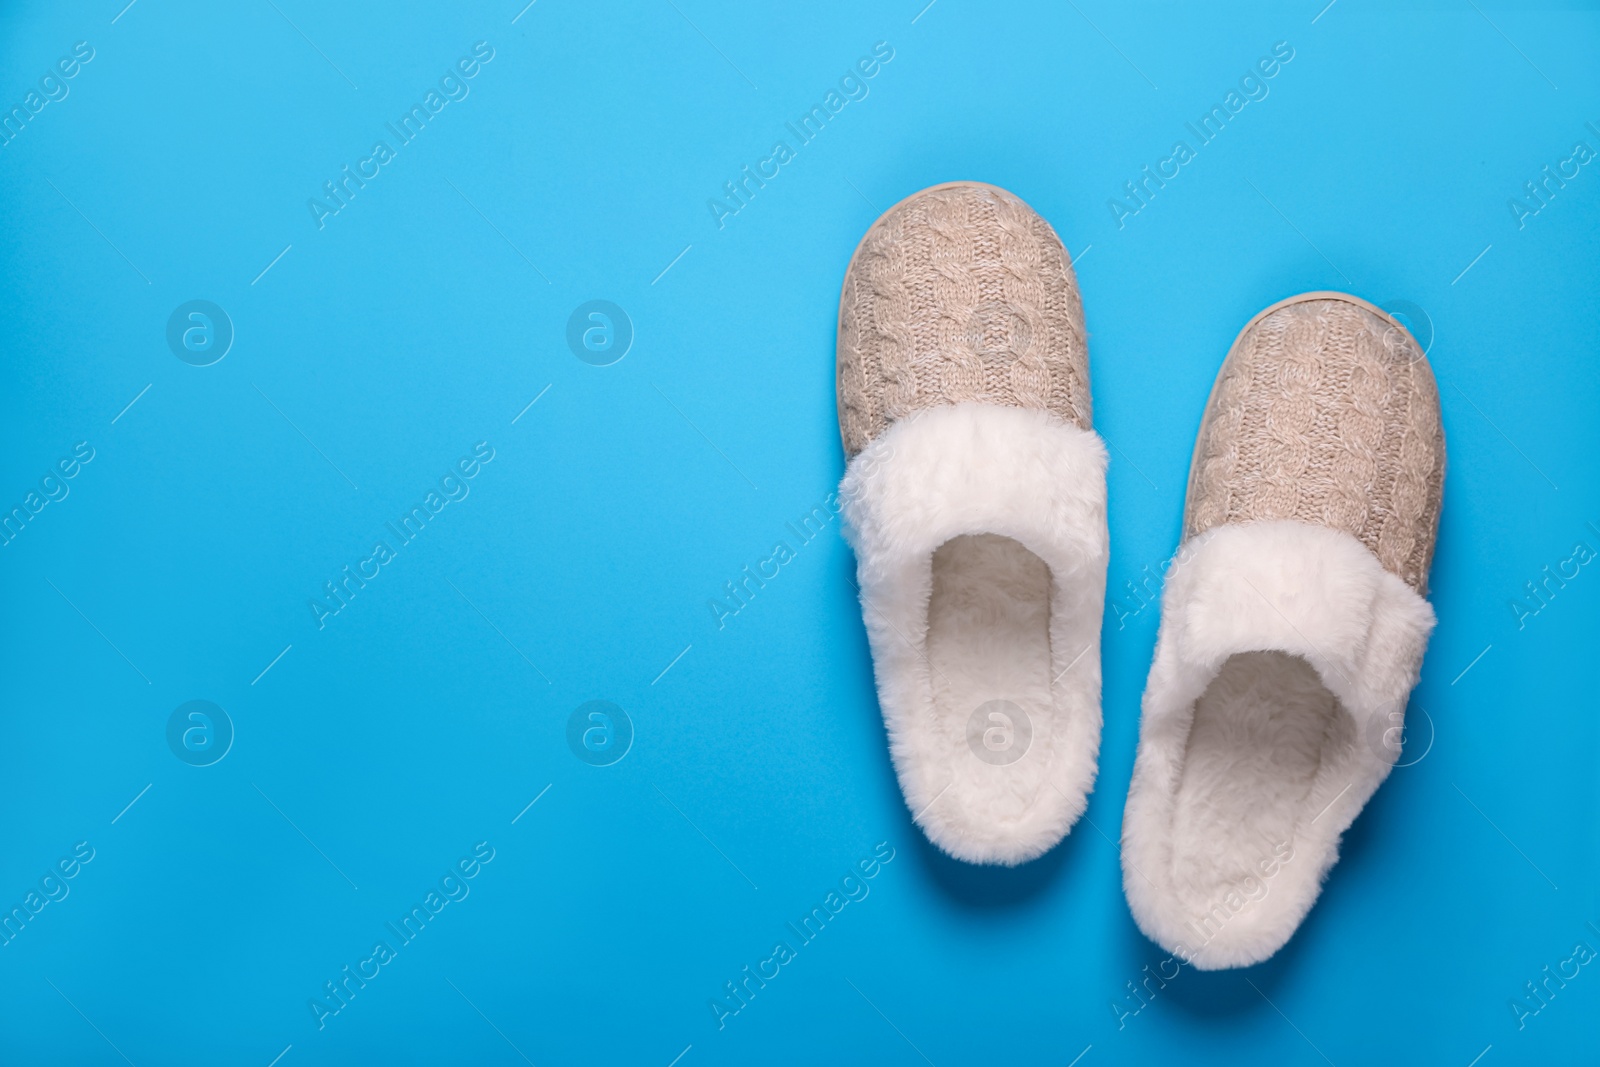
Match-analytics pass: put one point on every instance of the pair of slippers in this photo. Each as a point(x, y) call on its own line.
point(1293, 622)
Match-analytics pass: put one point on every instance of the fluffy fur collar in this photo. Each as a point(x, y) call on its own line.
point(1285, 657)
point(1018, 475)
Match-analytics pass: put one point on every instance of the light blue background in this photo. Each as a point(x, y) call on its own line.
point(417, 322)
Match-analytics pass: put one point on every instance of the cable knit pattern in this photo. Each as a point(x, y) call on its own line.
point(959, 293)
point(1327, 413)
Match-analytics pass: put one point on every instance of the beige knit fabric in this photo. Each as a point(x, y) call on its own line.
point(1325, 412)
point(960, 292)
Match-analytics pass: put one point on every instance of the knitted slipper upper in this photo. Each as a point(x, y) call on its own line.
point(959, 293)
point(1327, 413)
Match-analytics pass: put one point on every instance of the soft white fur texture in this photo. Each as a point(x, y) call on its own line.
point(981, 548)
point(1286, 652)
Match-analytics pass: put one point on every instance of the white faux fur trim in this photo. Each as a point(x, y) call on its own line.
point(1249, 771)
point(924, 486)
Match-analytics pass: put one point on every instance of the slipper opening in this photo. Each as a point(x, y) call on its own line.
point(989, 656)
point(1263, 732)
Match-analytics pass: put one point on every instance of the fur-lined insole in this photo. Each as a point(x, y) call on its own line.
point(989, 640)
point(1260, 734)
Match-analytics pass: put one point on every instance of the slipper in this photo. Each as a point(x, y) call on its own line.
point(975, 500)
point(1293, 626)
